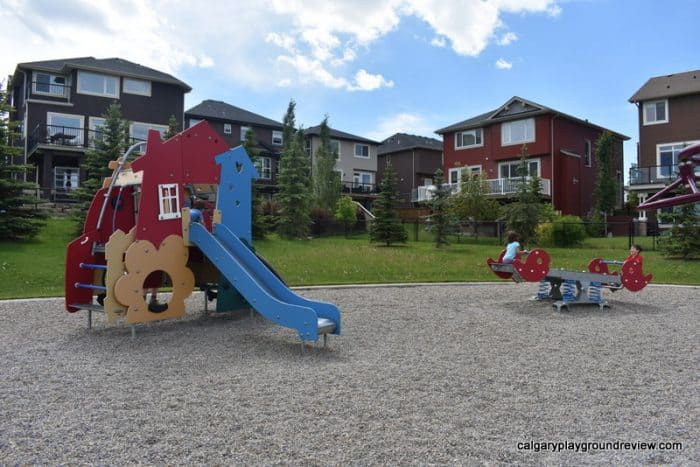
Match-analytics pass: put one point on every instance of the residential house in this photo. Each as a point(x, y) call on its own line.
point(560, 151)
point(232, 123)
point(415, 160)
point(357, 162)
point(61, 103)
point(668, 109)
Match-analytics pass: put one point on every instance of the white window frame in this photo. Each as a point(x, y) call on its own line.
point(587, 153)
point(507, 132)
point(104, 92)
point(277, 138)
point(52, 86)
point(162, 129)
point(227, 129)
point(515, 164)
point(93, 124)
point(264, 166)
point(359, 145)
point(194, 121)
point(454, 176)
point(477, 133)
point(168, 201)
point(676, 148)
point(357, 176)
point(78, 140)
point(74, 178)
point(244, 130)
point(138, 82)
point(646, 106)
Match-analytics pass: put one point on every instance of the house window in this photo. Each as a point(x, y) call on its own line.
point(139, 130)
point(244, 131)
point(96, 126)
point(335, 147)
point(64, 129)
point(362, 150)
point(510, 169)
point(362, 181)
point(194, 121)
point(587, 152)
point(66, 178)
point(655, 112)
point(264, 166)
point(518, 132)
point(52, 85)
point(469, 139)
point(168, 201)
point(455, 176)
point(277, 138)
point(98, 85)
point(227, 129)
point(667, 158)
point(137, 86)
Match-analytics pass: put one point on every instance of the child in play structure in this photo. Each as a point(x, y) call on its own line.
point(513, 247)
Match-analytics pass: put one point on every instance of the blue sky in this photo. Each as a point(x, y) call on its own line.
point(377, 67)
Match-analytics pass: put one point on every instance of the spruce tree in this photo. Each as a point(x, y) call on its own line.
point(326, 180)
point(173, 128)
point(18, 218)
point(439, 217)
point(525, 213)
point(386, 226)
point(683, 239)
point(109, 146)
point(260, 224)
point(605, 191)
point(294, 219)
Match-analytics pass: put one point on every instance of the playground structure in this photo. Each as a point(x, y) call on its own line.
point(179, 216)
point(572, 287)
point(688, 177)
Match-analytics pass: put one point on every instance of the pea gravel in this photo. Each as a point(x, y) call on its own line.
point(430, 374)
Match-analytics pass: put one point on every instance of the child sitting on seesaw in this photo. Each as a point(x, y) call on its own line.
point(513, 248)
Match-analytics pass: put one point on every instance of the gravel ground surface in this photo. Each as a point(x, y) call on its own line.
point(439, 374)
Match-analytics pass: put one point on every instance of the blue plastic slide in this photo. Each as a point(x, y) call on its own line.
point(261, 287)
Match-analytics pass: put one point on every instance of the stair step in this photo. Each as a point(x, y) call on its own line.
point(89, 306)
point(325, 326)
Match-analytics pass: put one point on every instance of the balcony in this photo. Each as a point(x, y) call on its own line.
point(497, 187)
point(65, 137)
point(655, 175)
point(357, 188)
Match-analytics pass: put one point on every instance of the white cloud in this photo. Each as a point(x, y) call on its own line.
point(438, 42)
point(403, 122)
point(502, 64)
point(507, 38)
point(320, 42)
point(368, 82)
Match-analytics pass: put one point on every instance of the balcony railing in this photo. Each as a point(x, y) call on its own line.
point(360, 188)
point(66, 137)
point(655, 174)
point(496, 187)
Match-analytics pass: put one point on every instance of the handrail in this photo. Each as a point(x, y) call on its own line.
point(122, 161)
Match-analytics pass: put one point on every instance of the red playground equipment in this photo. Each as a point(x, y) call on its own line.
point(571, 287)
point(688, 176)
point(179, 216)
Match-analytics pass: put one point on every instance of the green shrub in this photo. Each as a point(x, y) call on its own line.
point(567, 231)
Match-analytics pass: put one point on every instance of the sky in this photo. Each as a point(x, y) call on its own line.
point(378, 67)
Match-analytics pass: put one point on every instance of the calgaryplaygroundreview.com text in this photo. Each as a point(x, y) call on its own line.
point(586, 446)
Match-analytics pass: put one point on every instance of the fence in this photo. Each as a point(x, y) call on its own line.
point(418, 229)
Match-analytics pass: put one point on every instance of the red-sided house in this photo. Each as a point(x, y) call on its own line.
point(560, 151)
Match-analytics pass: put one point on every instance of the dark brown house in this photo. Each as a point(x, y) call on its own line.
point(668, 110)
point(232, 123)
point(414, 159)
point(60, 105)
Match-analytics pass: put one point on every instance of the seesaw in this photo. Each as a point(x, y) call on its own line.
point(572, 287)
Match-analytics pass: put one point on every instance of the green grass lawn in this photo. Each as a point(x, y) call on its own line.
point(35, 269)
